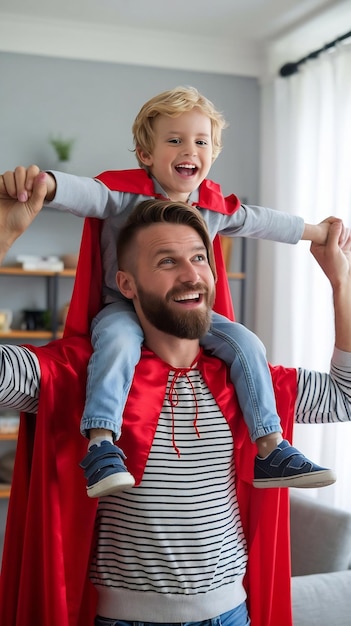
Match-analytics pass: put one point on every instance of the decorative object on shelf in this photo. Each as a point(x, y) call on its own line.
point(6, 317)
point(37, 320)
point(52, 279)
point(31, 262)
point(62, 147)
point(70, 261)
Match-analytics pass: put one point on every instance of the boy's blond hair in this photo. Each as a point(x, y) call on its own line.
point(173, 103)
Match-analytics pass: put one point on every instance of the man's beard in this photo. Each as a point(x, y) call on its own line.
point(187, 324)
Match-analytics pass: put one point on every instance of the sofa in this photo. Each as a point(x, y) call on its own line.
point(321, 563)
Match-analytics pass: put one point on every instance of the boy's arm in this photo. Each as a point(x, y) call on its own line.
point(259, 222)
point(82, 196)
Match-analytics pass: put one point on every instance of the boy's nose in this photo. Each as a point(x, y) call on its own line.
point(189, 148)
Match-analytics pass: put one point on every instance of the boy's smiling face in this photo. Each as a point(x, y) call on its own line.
point(182, 153)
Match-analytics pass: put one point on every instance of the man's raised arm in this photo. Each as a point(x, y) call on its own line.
point(334, 257)
point(16, 216)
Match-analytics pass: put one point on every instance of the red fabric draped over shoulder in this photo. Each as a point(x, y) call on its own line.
point(44, 578)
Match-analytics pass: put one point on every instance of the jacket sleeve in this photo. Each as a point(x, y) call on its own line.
point(19, 378)
point(324, 398)
point(261, 223)
point(85, 197)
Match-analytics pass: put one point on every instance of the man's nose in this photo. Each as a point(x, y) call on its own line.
point(188, 273)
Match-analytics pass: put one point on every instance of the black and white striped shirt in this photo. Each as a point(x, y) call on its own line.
point(173, 549)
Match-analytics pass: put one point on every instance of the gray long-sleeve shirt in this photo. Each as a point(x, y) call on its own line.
point(88, 197)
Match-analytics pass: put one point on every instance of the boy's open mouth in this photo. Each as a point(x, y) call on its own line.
point(186, 169)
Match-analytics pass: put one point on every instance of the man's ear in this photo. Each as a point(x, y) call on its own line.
point(144, 157)
point(126, 285)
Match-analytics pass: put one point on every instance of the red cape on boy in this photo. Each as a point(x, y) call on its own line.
point(50, 526)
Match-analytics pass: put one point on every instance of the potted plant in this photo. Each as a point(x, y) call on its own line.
point(62, 147)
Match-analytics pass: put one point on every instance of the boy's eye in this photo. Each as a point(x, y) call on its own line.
point(202, 142)
point(174, 140)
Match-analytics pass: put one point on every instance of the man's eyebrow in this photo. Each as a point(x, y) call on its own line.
point(174, 251)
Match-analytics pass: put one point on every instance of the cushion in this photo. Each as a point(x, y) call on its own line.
point(322, 599)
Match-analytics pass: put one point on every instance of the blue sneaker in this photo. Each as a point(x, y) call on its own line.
point(287, 467)
point(105, 471)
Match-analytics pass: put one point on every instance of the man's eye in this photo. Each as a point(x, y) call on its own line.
point(199, 257)
point(166, 262)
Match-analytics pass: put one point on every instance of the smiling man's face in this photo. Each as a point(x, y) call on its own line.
point(173, 283)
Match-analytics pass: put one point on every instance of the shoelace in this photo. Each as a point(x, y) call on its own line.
point(173, 399)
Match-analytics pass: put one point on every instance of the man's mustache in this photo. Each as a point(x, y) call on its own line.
point(185, 289)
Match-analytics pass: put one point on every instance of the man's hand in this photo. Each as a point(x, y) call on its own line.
point(17, 215)
point(318, 233)
point(334, 257)
point(19, 183)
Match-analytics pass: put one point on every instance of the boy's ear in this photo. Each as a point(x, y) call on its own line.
point(126, 285)
point(144, 156)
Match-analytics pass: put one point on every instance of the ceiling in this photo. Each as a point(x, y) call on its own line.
point(241, 37)
point(258, 21)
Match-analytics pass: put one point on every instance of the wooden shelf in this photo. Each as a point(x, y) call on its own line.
point(51, 279)
point(8, 270)
point(9, 436)
point(18, 334)
point(5, 490)
point(236, 275)
point(29, 334)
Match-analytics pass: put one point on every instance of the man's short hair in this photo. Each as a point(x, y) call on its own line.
point(173, 103)
point(149, 212)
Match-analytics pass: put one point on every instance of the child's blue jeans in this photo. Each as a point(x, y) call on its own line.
point(117, 338)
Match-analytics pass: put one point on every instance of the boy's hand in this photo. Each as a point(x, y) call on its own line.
point(318, 233)
point(19, 184)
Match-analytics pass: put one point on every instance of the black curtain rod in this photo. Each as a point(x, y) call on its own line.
point(291, 68)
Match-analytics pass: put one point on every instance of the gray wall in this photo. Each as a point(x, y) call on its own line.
point(96, 104)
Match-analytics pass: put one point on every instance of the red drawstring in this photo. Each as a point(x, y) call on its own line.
point(173, 400)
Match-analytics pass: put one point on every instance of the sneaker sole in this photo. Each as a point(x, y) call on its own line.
point(111, 485)
point(323, 478)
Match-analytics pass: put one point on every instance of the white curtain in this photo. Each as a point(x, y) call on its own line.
point(311, 177)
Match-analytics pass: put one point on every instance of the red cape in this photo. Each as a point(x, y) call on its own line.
point(50, 525)
point(210, 197)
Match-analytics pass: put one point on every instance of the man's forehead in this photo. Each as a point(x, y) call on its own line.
point(160, 237)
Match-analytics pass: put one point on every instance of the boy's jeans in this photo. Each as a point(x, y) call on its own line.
point(117, 338)
point(236, 617)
